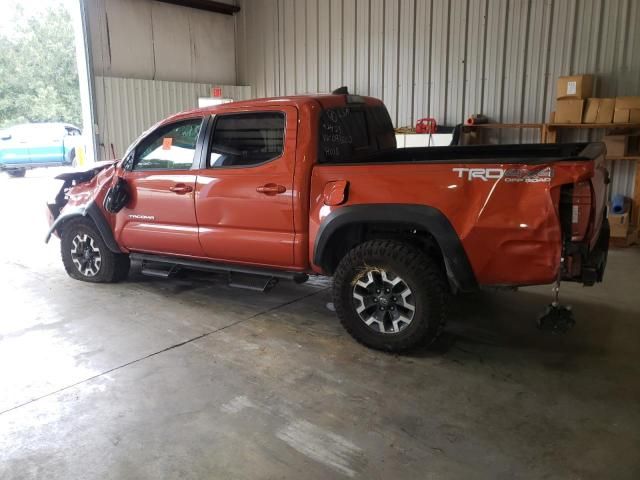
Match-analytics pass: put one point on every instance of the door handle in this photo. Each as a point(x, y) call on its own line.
point(271, 189)
point(181, 188)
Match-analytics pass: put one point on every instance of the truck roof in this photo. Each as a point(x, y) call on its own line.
point(327, 100)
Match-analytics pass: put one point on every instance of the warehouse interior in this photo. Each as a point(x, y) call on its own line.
point(189, 377)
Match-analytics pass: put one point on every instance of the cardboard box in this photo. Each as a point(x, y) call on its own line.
point(619, 224)
point(575, 86)
point(599, 110)
point(630, 239)
point(627, 110)
point(617, 145)
point(569, 111)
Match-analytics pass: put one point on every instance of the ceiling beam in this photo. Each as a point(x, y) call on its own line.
point(208, 5)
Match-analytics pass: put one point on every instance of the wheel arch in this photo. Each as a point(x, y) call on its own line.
point(94, 215)
point(423, 225)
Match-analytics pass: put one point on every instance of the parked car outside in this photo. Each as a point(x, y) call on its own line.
point(33, 145)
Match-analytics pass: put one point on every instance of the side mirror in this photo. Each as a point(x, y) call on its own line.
point(6, 136)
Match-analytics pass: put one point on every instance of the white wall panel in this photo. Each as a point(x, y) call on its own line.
point(126, 107)
point(154, 40)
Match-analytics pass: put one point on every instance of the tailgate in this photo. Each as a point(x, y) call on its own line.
point(596, 194)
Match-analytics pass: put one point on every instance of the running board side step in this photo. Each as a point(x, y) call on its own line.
point(239, 276)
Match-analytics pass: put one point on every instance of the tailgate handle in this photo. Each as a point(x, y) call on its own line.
point(271, 189)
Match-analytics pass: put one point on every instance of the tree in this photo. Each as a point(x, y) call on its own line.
point(38, 73)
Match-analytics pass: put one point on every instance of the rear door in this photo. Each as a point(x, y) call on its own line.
point(46, 144)
point(244, 199)
point(160, 217)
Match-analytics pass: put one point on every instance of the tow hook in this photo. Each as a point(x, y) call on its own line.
point(556, 318)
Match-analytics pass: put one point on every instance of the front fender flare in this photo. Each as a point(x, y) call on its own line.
point(92, 211)
point(424, 217)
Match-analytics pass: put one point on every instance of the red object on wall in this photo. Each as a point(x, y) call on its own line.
point(216, 92)
point(426, 125)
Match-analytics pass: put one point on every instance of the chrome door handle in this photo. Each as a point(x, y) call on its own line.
point(181, 188)
point(271, 189)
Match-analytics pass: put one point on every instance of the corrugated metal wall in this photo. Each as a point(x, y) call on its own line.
point(126, 107)
point(442, 58)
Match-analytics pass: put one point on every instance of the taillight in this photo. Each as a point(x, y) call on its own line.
point(580, 210)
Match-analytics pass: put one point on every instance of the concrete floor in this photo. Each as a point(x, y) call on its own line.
point(188, 378)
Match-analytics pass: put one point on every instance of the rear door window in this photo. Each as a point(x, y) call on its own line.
point(246, 139)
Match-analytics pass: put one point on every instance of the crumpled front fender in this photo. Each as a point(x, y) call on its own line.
point(82, 195)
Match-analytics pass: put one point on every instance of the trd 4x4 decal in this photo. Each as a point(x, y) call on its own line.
point(510, 175)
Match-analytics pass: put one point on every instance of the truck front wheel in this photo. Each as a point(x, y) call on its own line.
point(390, 296)
point(86, 257)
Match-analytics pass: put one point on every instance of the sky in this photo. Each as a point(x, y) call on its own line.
point(30, 7)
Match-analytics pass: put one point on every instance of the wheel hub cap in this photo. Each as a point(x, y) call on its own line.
point(383, 301)
point(85, 255)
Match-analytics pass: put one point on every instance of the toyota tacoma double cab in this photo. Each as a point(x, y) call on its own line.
point(283, 188)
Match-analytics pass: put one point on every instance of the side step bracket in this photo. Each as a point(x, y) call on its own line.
point(257, 283)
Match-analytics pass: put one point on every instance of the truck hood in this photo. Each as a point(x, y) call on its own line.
point(86, 173)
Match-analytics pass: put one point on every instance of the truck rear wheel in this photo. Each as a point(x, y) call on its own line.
point(390, 296)
point(86, 257)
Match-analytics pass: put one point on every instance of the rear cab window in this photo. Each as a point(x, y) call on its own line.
point(354, 133)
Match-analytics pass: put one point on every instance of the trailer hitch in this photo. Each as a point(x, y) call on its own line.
point(557, 318)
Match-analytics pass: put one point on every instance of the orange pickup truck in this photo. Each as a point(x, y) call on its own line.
point(286, 187)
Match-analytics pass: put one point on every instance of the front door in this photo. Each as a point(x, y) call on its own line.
point(160, 217)
point(244, 200)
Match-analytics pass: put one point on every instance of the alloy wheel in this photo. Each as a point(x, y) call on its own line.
point(383, 301)
point(86, 255)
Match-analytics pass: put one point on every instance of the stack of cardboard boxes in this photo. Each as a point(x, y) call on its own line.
point(576, 104)
point(572, 93)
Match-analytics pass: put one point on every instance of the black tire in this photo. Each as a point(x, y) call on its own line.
point(112, 267)
point(17, 172)
point(419, 273)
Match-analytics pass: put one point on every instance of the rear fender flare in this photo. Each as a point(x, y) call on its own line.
point(424, 217)
point(92, 212)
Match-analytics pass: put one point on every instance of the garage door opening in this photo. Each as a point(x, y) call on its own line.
point(41, 114)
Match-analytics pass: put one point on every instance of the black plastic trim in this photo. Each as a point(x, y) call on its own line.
point(428, 218)
point(93, 212)
point(207, 5)
point(527, 154)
